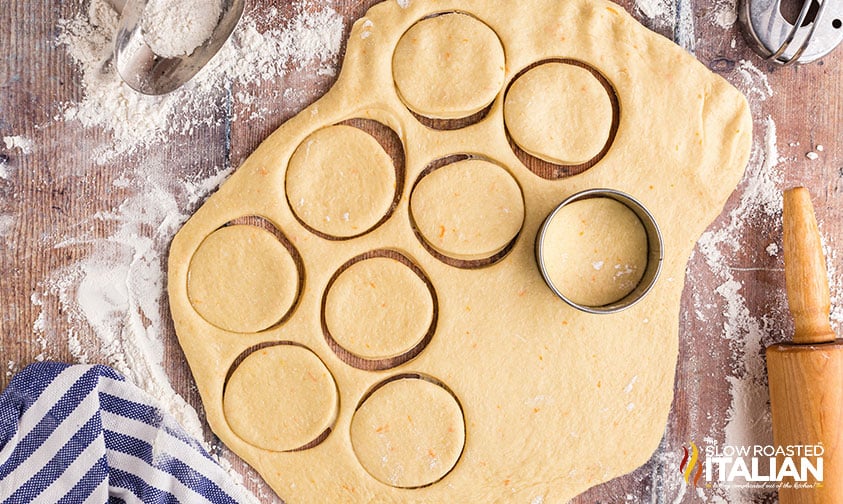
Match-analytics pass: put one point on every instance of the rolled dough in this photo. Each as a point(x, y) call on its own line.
point(546, 391)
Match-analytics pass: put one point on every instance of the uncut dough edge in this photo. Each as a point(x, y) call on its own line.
point(535, 426)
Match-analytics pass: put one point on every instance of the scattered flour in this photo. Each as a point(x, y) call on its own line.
point(752, 81)
point(676, 17)
point(681, 494)
point(655, 8)
point(368, 26)
point(173, 29)
point(683, 33)
point(748, 419)
point(680, 16)
point(725, 13)
point(118, 289)
point(21, 143)
point(112, 301)
point(310, 38)
point(7, 223)
point(631, 384)
point(5, 169)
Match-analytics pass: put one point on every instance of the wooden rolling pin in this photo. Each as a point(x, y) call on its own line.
point(806, 376)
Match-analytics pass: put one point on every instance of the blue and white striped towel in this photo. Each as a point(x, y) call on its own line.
point(82, 434)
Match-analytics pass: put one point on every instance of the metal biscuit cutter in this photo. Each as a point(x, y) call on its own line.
point(817, 31)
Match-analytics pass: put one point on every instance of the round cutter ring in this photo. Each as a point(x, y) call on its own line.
point(655, 252)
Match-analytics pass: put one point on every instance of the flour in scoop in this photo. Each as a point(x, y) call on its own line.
point(174, 28)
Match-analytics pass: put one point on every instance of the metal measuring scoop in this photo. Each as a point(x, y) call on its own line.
point(775, 39)
point(151, 74)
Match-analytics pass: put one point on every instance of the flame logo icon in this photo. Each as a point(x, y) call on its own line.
point(689, 462)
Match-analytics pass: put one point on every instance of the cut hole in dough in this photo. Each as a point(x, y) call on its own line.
point(408, 433)
point(340, 182)
point(470, 209)
point(379, 308)
point(448, 66)
point(559, 112)
point(242, 279)
point(281, 398)
point(595, 251)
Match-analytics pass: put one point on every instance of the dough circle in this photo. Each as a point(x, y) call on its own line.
point(448, 66)
point(559, 112)
point(378, 308)
point(595, 251)
point(281, 398)
point(469, 209)
point(409, 433)
point(340, 181)
point(242, 279)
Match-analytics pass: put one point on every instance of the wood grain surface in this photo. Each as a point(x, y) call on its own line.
point(57, 187)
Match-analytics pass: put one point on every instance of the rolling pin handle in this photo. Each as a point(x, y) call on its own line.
point(806, 278)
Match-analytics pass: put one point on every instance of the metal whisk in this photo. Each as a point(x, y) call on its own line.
point(817, 31)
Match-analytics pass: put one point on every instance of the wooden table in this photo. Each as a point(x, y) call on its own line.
point(733, 306)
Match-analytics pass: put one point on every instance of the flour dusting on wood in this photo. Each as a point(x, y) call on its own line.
point(135, 122)
point(655, 8)
point(21, 143)
point(674, 19)
point(113, 298)
point(748, 328)
point(5, 169)
point(724, 13)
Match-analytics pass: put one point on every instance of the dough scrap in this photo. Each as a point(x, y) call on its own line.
point(595, 251)
point(559, 112)
point(448, 66)
point(242, 279)
point(409, 433)
point(340, 181)
point(378, 308)
point(280, 398)
point(470, 209)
